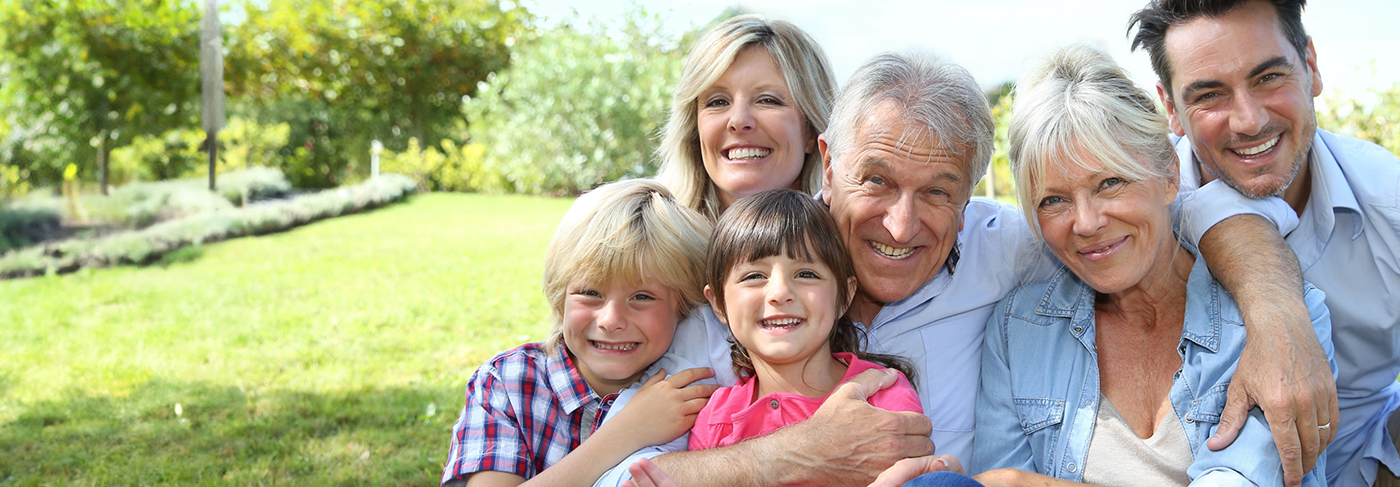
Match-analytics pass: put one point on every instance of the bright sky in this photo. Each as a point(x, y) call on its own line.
point(998, 39)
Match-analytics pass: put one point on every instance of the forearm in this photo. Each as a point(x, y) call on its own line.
point(763, 461)
point(583, 466)
point(1249, 257)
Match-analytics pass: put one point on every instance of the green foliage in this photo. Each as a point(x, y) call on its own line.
point(87, 76)
point(451, 169)
point(277, 349)
point(577, 109)
point(24, 223)
point(180, 153)
point(999, 172)
point(342, 73)
point(144, 246)
point(138, 205)
point(1378, 121)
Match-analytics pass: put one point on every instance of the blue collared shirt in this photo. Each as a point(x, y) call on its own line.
point(1348, 244)
point(1040, 383)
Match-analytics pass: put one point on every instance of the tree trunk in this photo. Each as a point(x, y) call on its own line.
point(212, 143)
point(103, 151)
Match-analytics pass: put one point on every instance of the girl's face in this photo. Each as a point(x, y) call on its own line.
point(615, 331)
point(781, 309)
point(753, 137)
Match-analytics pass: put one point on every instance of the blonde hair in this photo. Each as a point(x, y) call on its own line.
point(628, 231)
point(1079, 107)
point(809, 79)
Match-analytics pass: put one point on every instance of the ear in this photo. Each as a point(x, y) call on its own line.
point(850, 293)
point(719, 311)
point(825, 149)
point(1171, 110)
point(1312, 68)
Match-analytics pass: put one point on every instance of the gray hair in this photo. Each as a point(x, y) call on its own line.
point(809, 78)
point(1079, 107)
point(939, 95)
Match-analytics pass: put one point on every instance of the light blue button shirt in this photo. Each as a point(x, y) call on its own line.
point(1348, 244)
point(1040, 383)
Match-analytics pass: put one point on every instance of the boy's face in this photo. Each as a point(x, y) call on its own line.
point(615, 331)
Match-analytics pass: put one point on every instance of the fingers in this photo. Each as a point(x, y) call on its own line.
point(1237, 406)
point(647, 474)
point(659, 376)
point(905, 470)
point(688, 376)
point(915, 424)
point(865, 384)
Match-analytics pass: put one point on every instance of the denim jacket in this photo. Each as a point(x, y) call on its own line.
point(1040, 383)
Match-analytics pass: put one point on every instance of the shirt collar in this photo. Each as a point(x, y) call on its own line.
point(1329, 185)
point(1068, 297)
point(566, 382)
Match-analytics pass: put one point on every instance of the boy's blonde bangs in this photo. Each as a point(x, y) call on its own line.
point(627, 232)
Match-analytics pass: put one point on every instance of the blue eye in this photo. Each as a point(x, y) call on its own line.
point(877, 180)
point(1112, 182)
point(1051, 200)
point(643, 297)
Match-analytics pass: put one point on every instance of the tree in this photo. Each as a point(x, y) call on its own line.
point(1377, 122)
point(578, 109)
point(344, 72)
point(90, 75)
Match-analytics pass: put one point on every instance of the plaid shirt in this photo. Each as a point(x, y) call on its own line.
point(526, 409)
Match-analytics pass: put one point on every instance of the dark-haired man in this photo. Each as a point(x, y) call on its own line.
point(1238, 80)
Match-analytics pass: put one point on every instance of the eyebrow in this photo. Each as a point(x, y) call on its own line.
point(868, 164)
point(1271, 63)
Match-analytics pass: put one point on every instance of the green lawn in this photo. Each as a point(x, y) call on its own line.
point(331, 354)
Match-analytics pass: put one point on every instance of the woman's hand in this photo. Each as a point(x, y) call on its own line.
point(908, 468)
point(664, 408)
point(647, 474)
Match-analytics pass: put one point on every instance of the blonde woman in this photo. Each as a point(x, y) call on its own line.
point(751, 101)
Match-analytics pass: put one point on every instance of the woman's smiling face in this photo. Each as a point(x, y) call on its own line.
point(753, 137)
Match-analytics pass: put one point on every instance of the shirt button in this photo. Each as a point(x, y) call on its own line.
point(1088, 403)
point(773, 404)
point(1189, 421)
point(1078, 329)
point(1072, 468)
point(1182, 349)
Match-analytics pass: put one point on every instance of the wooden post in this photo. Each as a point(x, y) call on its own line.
point(211, 63)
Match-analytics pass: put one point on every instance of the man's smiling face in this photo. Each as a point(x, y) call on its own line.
point(1243, 95)
point(897, 197)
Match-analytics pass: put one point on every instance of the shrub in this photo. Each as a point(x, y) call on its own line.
point(23, 224)
point(137, 205)
point(145, 246)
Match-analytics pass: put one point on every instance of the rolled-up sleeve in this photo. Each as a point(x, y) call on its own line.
point(1199, 210)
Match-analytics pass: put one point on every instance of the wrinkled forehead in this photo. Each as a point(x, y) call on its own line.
point(1209, 46)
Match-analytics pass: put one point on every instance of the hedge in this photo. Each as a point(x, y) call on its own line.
point(147, 245)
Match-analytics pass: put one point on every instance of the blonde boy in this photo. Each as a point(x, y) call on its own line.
point(625, 265)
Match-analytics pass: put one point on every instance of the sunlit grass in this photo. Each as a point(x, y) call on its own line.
point(331, 354)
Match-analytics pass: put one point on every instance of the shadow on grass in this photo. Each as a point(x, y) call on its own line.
point(181, 256)
point(221, 435)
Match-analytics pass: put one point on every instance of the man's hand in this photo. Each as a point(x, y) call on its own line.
point(848, 441)
point(647, 474)
point(908, 468)
point(665, 407)
point(1283, 368)
point(1290, 379)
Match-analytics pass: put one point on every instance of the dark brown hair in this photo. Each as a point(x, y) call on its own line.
point(789, 223)
point(1159, 15)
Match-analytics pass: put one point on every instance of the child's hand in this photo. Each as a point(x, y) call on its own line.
point(665, 408)
point(647, 474)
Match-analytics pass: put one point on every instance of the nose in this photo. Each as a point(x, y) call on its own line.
point(1248, 117)
point(1088, 218)
point(740, 118)
point(901, 219)
point(779, 289)
point(612, 316)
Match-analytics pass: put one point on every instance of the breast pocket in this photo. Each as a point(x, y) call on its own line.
point(1207, 408)
point(1040, 420)
point(1038, 414)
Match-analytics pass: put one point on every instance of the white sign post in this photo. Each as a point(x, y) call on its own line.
point(374, 149)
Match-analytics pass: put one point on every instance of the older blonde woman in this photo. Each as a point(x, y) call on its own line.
point(751, 101)
point(1114, 372)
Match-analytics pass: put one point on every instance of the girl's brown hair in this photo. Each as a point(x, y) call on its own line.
point(790, 223)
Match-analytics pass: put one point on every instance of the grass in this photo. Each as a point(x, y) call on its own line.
point(332, 354)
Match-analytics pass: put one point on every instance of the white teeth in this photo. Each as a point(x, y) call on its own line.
point(748, 153)
point(622, 347)
point(780, 323)
point(892, 252)
point(1261, 148)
